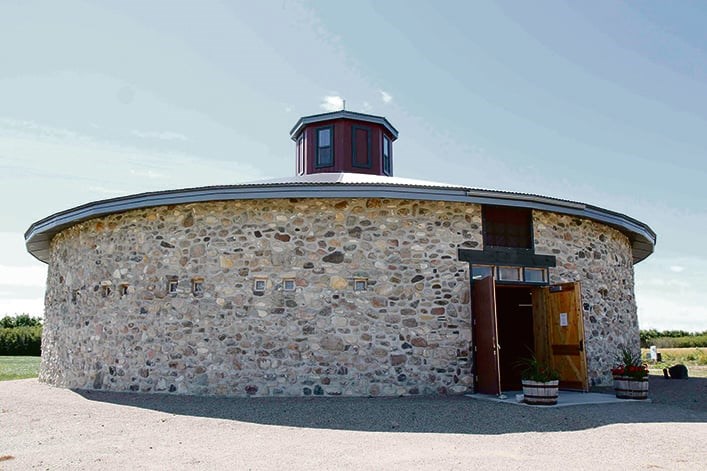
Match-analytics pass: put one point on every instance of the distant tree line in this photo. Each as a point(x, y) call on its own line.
point(20, 335)
point(673, 338)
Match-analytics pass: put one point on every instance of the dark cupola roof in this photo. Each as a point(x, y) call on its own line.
point(344, 141)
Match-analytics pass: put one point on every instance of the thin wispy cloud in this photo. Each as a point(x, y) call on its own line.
point(151, 174)
point(677, 268)
point(386, 97)
point(161, 135)
point(332, 103)
point(107, 191)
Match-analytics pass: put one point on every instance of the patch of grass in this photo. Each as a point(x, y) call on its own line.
point(694, 358)
point(12, 367)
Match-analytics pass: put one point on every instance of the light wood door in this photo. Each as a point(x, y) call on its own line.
point(562, 342)
point(485, 336)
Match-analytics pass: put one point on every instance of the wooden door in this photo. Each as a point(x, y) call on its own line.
point(564, 338)
point(485, 336)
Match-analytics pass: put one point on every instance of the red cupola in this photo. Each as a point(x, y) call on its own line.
point(344, 141)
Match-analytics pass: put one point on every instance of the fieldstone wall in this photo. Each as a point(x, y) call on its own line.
point(111, 322)
point(600, 258)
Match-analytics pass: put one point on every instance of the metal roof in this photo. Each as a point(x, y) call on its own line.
point(336, 185)
point(317, 118)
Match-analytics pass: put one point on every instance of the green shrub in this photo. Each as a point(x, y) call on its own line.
point(23, 340)
point(22, 320)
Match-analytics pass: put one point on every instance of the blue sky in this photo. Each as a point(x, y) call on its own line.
point(601, 102)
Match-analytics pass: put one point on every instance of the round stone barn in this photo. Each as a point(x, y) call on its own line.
point(341, 280)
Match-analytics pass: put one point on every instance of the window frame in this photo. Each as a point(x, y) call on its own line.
point(317, 160)
point(360, 284)
point(285, 283)
point(488, 235)
point(300, 155)
point(387, 156)
point(369, 160)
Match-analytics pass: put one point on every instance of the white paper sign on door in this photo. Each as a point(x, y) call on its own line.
point(563, 319)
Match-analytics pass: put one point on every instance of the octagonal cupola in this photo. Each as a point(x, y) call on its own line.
point(344, 141)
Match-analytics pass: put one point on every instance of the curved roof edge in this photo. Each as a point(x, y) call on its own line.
point(336, 185)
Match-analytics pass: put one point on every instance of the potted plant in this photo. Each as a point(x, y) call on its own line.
point(630, 375)
point(540, 383)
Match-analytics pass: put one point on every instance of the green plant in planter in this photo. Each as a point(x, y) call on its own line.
point(629, 364)
point(536, 370)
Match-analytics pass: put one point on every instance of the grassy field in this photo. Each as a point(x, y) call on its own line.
point(694, 358)
point(18, 367)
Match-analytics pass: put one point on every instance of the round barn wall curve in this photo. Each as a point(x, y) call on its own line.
point(327, 283)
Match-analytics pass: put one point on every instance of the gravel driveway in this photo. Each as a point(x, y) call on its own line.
point(49, 428)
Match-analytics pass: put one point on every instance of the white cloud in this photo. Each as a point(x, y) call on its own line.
point(107, 191)
point(23, 276)
point(366, 106)
point(332, 103)
point(386, 97)
point(677, 268)
point(151, 174)
point(161, 135)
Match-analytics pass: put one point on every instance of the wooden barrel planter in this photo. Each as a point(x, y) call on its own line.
point(540, 394)
point(630, 388)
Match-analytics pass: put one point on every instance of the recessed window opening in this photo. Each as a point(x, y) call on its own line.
point(123, 289)
point(106, 291)
point(197, 286)
point(507, 227)
point(509, 274)
point(74, 296)
point(535, 275)
point(288, 284)
point(172, 284)
point(325, 150)
point(387, 150)
point(360, 284)
point(259, 285)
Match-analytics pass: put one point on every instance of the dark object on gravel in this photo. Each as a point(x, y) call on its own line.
point(676, 372)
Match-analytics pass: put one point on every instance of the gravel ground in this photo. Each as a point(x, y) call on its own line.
point(49, 428)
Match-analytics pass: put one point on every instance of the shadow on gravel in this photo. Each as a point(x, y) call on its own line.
point(672, 401)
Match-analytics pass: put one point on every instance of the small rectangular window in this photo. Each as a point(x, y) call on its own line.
point(123, 289)
point(197, 286)
point(288, 284)
point(509, 273)
point(259, 285)
point(481, 271)
point(386, 156)
point(325, 149)
point(74, 296)
point(534, 275)
point(360, 284)
point(106, 290)
point(172, 284)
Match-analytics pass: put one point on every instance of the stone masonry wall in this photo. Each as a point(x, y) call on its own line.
point(110, 322)
point(600, 258)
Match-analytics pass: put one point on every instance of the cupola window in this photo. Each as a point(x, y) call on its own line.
point(361, 147)
point(387, 149)
point(325, 150)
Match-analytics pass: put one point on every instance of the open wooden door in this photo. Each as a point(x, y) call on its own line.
point(485, 333)
point(562, 341)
